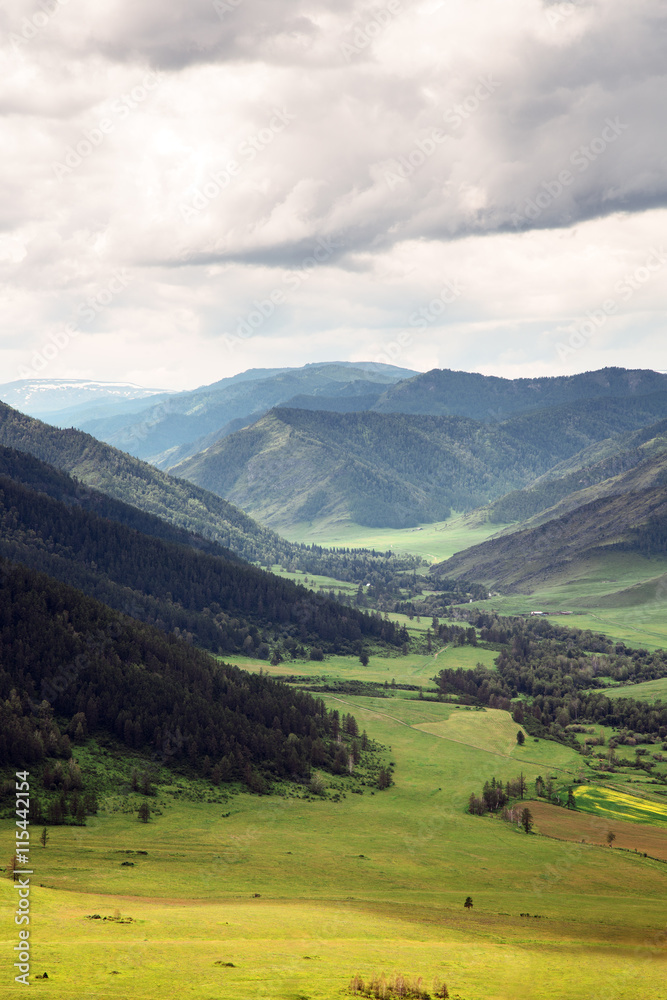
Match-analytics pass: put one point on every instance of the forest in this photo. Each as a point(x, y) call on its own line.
point(71, 668)
point(397, 469)
point(217, 602)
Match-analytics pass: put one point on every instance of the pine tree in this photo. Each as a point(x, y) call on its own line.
point(527, 820)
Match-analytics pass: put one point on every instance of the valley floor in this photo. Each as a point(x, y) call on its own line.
point(374, 882)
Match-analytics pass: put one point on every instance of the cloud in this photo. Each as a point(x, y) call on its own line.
point(208, 150)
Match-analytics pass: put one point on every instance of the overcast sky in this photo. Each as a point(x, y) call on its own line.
point(195, 187)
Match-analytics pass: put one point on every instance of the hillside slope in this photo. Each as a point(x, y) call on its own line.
point(70, 658)
point(195, 510)
point(616, 465)
point(223, 605)
point(399, 470)
point(520, 561)
point(166, 433)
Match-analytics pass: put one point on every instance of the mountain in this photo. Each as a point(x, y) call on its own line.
point(26, 470)
point(221, 604)
point(188, 507)
point(625, 517)
point(69, 661)
point(485, 397)
point(399, 470)
point(598, 470)
point(173, 428)
point(48, 398)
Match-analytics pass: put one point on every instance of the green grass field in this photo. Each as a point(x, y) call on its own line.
point(415, 668)
point(650, 691)
point(284, 898)
point(609, 595)
point(372, 882)
point(433, 542)
point(623, 595)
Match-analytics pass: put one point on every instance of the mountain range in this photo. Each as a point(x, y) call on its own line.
point(174, 427)
point(385, 447)
point(400, 470)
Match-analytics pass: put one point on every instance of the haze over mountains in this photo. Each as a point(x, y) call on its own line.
point(51, 399)
point(172, 427)
point(131, 481)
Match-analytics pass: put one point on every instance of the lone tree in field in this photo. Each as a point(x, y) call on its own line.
point(468, 903)
point(144, 812)
point(520, 738)
point(44, 836)
point(571, 801)
point(384, 778)
point(527, 820)
point(363, 658)
point(611, 837)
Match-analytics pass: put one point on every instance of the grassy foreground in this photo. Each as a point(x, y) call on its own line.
point(373, 882)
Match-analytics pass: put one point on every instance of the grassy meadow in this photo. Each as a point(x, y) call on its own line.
point(621, 594)
point(415, 668)
point(432, 542)
point(650, 691)
point(283, 897)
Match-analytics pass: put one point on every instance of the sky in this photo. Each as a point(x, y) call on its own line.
point(194, 188)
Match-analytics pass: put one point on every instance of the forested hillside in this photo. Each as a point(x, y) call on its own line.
point(616, 465)
point(70, 667)
point(23, 468)
point(399, 470)
point(443, 392)
point(220, 604)
point(195, 510)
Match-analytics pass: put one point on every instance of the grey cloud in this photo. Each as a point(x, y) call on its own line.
point(175, 35)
